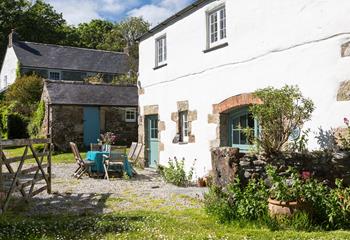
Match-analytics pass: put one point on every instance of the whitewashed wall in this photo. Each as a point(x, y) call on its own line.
point(8, 69)
point(271, 43)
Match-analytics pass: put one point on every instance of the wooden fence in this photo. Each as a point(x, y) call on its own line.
point(20, 174)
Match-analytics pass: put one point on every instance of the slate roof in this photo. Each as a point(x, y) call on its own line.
point(41, 55)
point(78, 93)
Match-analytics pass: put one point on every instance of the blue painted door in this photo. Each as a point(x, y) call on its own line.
point(152, 141)
point(91, 125)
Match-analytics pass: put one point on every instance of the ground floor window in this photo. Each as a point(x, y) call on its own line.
point(130, 115)
point(183, 125)
point(242, 129)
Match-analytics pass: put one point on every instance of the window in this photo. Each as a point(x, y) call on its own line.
point(183, 125)
point(54, 75)
point(242, 129)
point(130, 115)
point(216, 27)
point(161, 51)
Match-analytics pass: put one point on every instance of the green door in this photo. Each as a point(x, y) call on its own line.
point(152, 140)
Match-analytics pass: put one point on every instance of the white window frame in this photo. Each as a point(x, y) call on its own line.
point(161, 50)
point(184, 126)
point(219, 26)
point(54, 71)
point(127, 116)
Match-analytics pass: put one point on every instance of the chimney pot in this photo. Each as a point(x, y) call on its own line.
point(12, 38)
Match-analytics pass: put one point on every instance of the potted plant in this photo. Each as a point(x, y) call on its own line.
point(107, 140)
point(285, 192)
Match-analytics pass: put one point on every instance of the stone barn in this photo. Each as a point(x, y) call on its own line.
point(80, 112)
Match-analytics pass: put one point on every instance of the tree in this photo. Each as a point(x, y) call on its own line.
point(93, 34)
point(41, 23)
point(34, 21)
point(282, 111)
point(10, 14)
point(24, 94)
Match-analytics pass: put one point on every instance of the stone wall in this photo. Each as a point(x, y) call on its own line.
point(228, 164)
point(66, 125)
point(115, 122)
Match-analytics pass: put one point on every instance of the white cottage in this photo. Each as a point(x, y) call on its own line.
point(199, 67)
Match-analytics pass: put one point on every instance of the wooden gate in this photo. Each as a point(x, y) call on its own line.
point(24, 181)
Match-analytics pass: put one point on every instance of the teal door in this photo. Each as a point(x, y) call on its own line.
point(152, 140)
point(91, 125)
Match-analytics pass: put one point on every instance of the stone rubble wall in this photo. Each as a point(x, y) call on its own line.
point(229, 164)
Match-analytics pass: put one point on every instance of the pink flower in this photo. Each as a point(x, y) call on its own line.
point(346, 121)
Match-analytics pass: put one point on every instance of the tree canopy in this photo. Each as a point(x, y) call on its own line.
point(37, 21)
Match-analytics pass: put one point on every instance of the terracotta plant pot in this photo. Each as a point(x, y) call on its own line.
point(279, 208)
point(201, 182)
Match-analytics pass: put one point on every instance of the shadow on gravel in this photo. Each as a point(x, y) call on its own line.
point(58, 203)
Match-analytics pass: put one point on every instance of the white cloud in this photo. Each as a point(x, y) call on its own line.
point(159, 11)
point(78, 11)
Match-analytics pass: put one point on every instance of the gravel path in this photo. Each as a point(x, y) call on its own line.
point(146, 191)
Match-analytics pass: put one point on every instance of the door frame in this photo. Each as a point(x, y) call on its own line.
point(148, 138)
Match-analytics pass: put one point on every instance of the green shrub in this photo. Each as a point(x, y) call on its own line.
point(237, 202)
point(24, 94)
point(284, 188)
point(36, 121)
point(175, 173)
point(16, 126)
point(281, 112)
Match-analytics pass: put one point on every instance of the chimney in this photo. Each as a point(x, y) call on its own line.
point(13, 37)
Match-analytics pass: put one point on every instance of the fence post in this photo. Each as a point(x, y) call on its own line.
point(49, 164)
point(2, 190)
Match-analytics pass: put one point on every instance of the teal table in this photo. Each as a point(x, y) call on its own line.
point(97, 157)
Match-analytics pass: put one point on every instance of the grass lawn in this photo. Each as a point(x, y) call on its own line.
point(57, 158)
point(148, 223)
point(185, 224)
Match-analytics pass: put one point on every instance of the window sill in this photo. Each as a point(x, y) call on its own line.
point(160, 66)
point(215, 48)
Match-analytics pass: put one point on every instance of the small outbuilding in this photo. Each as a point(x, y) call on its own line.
point(79, 112)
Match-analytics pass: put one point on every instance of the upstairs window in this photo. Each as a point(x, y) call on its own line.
point(216, 27)
point(54, 75)
point(161, 51)
point(184, 127)
point(130, 115)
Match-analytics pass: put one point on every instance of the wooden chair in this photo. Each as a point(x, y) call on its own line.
point(132, 150)
point(116, 156)
point(132, 158)
point(95, 147)
point(84, 166)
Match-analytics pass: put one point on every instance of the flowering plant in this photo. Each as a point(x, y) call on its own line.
point(345, 138)
point(108, 138)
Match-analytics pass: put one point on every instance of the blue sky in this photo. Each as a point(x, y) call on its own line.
point(154, 11)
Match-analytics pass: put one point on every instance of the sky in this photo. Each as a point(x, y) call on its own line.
point(153, 11)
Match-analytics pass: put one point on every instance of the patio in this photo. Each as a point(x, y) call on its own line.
point(145, 191)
